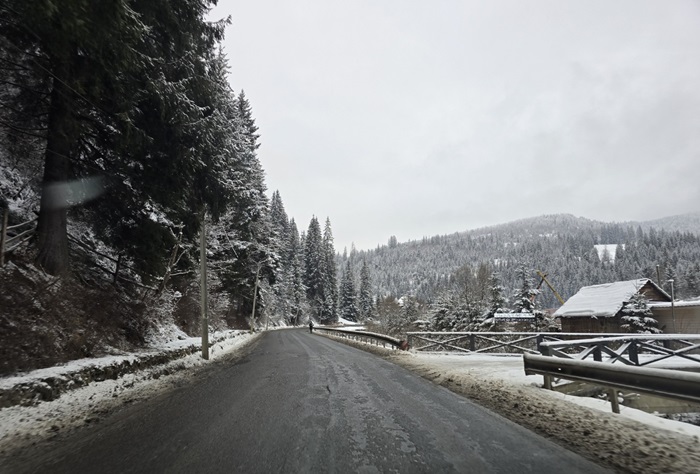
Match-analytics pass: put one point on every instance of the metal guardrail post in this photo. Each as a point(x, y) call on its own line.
point(676, 384)
point(546, 351)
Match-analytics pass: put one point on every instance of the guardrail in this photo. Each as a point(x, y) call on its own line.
point(490, 342)
point(627, 348)
point(364, 336)
point(667, 383)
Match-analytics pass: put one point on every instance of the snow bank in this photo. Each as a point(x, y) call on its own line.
point(23, 425)
point(49, 383)
point(633, 441)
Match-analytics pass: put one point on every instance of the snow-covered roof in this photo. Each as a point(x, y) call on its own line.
point(513, 316)
point(602, 300)
point(677, 304)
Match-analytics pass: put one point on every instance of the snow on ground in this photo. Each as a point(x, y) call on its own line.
point(20, 426)
point(632, 441)
point(509, 369)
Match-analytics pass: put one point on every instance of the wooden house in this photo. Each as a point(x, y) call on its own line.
point(598, 308)
point(681, 317)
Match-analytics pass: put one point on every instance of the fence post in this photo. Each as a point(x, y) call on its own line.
point(3, 234)
point(633, 352)
point(598, 353)
point(472, 342)
point(538, 341)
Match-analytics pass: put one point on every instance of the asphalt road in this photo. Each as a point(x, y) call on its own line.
point(304, 403)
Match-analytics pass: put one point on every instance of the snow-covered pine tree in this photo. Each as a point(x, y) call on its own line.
point(348, 296)
point(691, 281)
point(251, 251)
point(524, 296)
point(314, 265)
point(442, 313)
point(171, 159)
point(281, 291)
point(78, 57)
point(498, 301)
point(329, 275)
point(637, 316)
point(366, 299)
point(294, 262)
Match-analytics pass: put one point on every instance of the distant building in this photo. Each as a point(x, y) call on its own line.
point(683, 317)
point(598, 308)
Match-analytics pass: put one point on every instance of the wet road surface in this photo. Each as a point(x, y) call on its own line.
point(299, 402)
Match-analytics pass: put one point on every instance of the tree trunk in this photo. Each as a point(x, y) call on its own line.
point(52, 237)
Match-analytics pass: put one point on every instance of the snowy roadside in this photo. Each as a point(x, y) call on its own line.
point(144, 375)
point(633, 441)
point(50, 383)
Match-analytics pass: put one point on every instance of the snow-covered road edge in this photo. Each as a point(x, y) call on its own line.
point(624, 443)
point(22, 426)
point(50, 383)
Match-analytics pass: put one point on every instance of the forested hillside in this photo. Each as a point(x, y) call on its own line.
point(122, 144)
point(461, 267)
point(121, 141)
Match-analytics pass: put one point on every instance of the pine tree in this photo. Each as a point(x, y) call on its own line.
point(252, 248)
point(637, 316)
point(442, 313)
point(523, 297)
point(366, 300)
point(692, 281)
point(294, 258)
point(77, 55)
point(314, 265)
point(348, 295)
point(330, 279)
point(497, 300)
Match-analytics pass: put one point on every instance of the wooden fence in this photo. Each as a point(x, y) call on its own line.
point(608, 347)
point(489, 342)
point(627, 348)
point(13, 236)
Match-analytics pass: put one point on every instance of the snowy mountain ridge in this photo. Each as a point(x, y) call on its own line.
point(561, 245)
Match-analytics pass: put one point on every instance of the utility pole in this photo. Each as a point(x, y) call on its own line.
point(255, 299)
point(673, 314)
point(203, 289)
point(3, 233)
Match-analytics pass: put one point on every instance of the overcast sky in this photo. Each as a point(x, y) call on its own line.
point(416, 118)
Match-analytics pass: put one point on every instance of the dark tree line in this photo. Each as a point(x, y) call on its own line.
point(135, 93)
point(117, 121)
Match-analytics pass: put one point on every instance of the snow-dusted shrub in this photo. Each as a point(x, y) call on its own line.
point(637, 316)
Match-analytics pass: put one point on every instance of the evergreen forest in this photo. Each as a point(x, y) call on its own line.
point(454, 282)
point(122, 144)
point(127, 160)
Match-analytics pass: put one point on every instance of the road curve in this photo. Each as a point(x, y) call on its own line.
point(304, 403)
